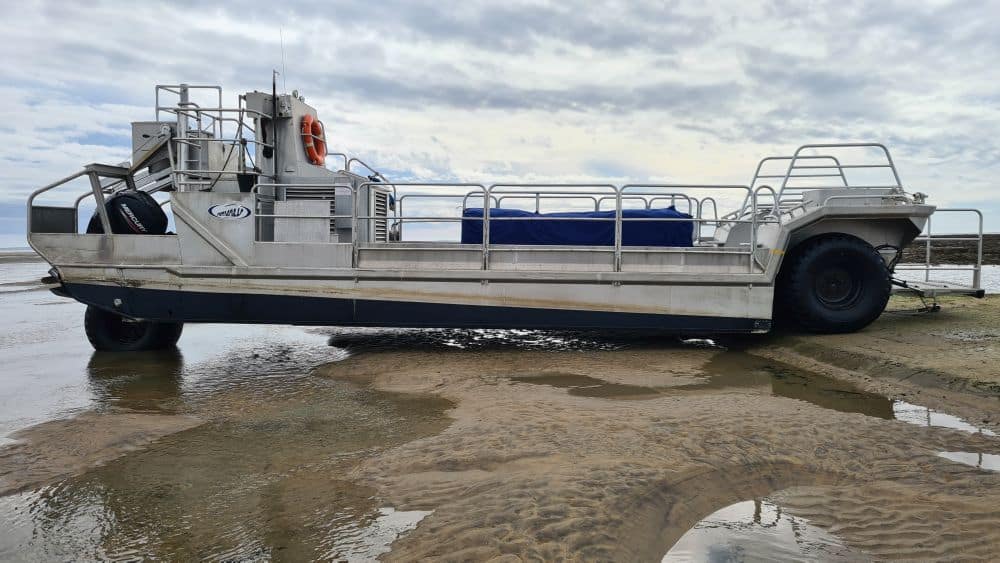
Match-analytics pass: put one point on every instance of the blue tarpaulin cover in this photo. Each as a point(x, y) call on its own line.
point(570, 232)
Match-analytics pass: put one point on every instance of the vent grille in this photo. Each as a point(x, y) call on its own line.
point(380, 208)
point(317, 194)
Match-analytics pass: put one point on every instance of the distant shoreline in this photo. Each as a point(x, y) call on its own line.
point(954, 252)
point(9, 256)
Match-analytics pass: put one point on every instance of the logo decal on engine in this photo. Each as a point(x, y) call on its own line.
point(229, 211)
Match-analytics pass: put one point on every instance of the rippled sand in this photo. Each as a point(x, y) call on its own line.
point(535, 471)
point(281, 443)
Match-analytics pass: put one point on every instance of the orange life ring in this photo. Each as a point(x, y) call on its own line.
point(314, 139)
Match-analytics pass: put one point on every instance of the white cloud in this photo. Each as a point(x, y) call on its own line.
point(534, 91)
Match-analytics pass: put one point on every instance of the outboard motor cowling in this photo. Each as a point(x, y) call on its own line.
point(131, 213)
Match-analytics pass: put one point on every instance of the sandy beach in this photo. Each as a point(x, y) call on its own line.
point(286, 443)
point(534, 470)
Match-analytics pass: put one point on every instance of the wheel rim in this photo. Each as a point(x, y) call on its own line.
point(836, 288)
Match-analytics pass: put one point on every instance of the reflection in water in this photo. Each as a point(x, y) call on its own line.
point(586, 386)
point(733, 371)
point(356, 543)
point(212, 361)
point(737, 370)
point(264, 478)
point(139, 381)
point(975, 459)
point(268, 481)
point(756, 530)
point(925, 416)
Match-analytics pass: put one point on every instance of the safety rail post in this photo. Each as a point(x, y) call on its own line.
point(927, 252)
point(753, 231)
point(181, 166)
point(618, 229)
point(102, 212)
point(696, 219)
point(486, 227)
point(977, 273)
point(929, 237)
point(399, 216)
point(530, 193)
point(354, 225)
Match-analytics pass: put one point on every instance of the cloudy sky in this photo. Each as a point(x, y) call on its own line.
point(530, 91)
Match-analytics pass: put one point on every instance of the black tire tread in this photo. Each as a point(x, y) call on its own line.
point(168, 334)
point(156, 336)
point(794, 284)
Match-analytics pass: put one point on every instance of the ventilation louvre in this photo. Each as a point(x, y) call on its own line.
point(380, 208)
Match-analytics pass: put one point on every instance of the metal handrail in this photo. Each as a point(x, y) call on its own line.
point(757, 175)
point(692, 202)
point(836, 164)
point(795, 165)
point(929, 237)
point(758, 215)
point(341, 155)
point(370, 169)
point(109, 187)
point(692, 207)
point(865, 196)
point(518, 191)
point(715, 208)
point(501, 187)
point(94, 172)
point(465, 200)
point(601, 200)
point(400, 219)
point(697, 222)
point(538, 197)
point(798, 156)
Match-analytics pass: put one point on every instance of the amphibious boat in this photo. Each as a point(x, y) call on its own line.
point(242, 214)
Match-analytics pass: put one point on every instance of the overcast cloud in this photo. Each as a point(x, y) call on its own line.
point(535, 91)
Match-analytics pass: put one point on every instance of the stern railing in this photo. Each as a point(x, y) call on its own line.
point(930, 265)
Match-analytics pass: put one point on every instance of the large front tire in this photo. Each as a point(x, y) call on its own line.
point(833, 284)
point(110, 332)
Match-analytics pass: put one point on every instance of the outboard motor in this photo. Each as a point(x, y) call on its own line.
point(131, 212)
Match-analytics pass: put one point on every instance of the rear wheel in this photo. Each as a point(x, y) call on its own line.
point(833, 284)
point(108, 331)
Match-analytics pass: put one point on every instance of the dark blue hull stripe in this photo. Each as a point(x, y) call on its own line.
point(190, 306)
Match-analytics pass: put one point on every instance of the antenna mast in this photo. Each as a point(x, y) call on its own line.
point(284, 79)
point(274, 119)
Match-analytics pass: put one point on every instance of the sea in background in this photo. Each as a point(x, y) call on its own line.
point(16, 242)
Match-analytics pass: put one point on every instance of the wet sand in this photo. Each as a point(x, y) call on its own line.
point(284, 443)
point(948, 359)
point(532, 470)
